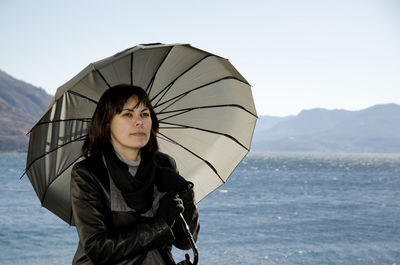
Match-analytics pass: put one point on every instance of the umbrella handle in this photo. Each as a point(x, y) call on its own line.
point(191, 241)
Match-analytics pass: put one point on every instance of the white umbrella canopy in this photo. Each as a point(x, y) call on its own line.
point(204, 105)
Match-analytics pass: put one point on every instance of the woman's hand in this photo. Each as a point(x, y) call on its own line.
point(169, 208)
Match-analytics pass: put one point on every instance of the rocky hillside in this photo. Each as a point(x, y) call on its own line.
point(21, 105)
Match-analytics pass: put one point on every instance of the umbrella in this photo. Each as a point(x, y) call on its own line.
point(204, 105)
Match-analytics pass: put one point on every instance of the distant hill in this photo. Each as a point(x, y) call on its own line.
point(21, 105)
point(375, 129)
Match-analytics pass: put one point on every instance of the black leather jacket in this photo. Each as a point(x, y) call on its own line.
point(108, 237)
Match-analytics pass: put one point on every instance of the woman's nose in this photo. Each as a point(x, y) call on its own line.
point(138, 121)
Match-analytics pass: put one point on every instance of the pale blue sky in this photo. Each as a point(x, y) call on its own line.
point(335, 54)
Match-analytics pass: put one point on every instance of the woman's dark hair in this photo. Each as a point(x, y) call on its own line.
point(111, 103)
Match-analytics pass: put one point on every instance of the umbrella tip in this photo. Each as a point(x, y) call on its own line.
point(151, 44)
point(23, 175)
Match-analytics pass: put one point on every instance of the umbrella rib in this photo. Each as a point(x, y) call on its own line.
point(196, 155)
point(82, 96)
point(164, 92)
point(180, 126)
point(66, 120)
point(177, 113)
point(183, 111)
point(51, 151)
point(131, 69)
point(44, 194)
point(167, 87)
point(102, 77)
point(54, 121)
point(150, 85)
point(179, 97)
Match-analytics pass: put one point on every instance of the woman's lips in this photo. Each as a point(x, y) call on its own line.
point(138, 134)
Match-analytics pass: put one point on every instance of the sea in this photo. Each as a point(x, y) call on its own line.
point(274, 209)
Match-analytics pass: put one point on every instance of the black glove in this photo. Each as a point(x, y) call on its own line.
point(169, 208)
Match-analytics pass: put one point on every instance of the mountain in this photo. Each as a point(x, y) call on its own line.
point(21, 105)
point(264, 123)
point(375, 130)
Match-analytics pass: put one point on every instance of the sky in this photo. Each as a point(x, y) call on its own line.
point(333, 54)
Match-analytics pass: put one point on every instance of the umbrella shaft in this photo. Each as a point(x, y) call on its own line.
point(191, 241)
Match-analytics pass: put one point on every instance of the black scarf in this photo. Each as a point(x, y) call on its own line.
point(138, 190)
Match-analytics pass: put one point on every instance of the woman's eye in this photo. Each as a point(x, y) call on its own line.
point(145, 114)
point(127, 114)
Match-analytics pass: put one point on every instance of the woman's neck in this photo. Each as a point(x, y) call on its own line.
point(130, 154)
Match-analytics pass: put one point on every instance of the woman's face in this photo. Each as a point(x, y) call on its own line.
point(130, 129)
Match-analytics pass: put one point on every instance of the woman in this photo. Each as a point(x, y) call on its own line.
point(126, 196)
